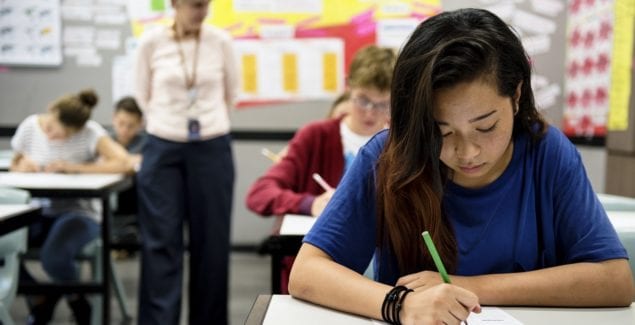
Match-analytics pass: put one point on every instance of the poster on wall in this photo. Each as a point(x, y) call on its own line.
point(588, 68)
point(30, 33)
point(540, 26)
point(298, 50)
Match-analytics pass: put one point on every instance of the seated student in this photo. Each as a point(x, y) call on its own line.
point(340, 107)
point(327, 147)
point(469, 158)
point(128, 131)
point(64, 140)
point(127, 128)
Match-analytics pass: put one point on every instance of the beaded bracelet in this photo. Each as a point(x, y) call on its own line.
point(392, 304)
point(400, 304)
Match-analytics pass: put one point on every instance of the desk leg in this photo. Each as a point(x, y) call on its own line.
point(276, 261)
point(105, 239)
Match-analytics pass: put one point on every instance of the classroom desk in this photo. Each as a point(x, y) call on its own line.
point(283, 310)
point(286, 243)
point(16, 216)
point(79, 186)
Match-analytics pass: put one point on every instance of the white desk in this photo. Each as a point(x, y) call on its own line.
point(59, 182)
point(15, 216)
point(283, 309)
point(296, 225)
point(623, 221)
point(616, 202)
point(75, 186)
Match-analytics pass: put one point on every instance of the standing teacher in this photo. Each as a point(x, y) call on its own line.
point(186, 80)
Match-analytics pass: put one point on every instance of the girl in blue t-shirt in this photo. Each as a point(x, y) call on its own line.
point(469, 159)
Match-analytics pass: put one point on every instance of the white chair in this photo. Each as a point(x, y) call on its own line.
point(12, 245)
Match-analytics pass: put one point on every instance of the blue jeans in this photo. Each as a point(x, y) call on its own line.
point(61, 238)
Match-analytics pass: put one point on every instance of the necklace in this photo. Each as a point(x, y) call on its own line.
point(190, 81)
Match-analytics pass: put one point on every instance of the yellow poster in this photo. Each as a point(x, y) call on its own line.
point(621, 68)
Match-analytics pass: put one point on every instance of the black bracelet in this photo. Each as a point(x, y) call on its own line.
point(388, 311)
point(399, 304)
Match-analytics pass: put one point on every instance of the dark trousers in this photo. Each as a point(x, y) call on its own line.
point(185, 183)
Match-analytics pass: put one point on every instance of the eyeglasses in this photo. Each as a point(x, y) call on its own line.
point(367, 104)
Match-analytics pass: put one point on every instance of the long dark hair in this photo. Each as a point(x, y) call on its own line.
point(452, 47)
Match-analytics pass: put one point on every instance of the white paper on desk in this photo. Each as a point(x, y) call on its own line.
point(295, 224)
point(488, 316)
point(492, 315)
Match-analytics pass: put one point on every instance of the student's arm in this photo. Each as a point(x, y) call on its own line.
point(338, 287)
point(113, 159)
point(282, 189)
point(22, 163)
point(601, 284)
point(277, 192)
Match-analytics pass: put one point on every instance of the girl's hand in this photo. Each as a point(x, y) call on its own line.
point(438, 304)
point(421, 280)
point(26, 165)
point(58, 166)
point(320, 203)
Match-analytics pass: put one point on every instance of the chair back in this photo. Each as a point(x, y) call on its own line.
point(9, 195)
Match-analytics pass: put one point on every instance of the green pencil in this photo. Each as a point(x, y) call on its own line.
point(435, 256)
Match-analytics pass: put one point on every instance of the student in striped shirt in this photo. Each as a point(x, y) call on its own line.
point(65, 140)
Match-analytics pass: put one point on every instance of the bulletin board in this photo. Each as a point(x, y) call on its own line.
point(299, 50)
point(30, 33)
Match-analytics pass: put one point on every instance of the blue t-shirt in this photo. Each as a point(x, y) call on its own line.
point(541, 212)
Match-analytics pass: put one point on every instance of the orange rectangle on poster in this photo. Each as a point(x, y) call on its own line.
point(250, 80)
point(290, 72)
point(329, 78)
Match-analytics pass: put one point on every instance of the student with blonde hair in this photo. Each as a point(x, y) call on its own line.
point(65, 140)
point(327, 147)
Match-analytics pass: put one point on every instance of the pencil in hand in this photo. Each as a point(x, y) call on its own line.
point(325, 186)
point(271, 155)
point(435, 256)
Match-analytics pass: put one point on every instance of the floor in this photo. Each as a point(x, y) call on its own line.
point(249, 277)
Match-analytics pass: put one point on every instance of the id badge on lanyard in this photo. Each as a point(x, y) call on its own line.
point(193, 125)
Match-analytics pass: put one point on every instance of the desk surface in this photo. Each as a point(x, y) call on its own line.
point(296, 225)
point(58, 181)
point(283, 309)
point(66, 185)
point(15, 216)
point(10, 210)
point(623, 221)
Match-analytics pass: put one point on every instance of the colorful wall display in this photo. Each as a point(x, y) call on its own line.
point(298, 50)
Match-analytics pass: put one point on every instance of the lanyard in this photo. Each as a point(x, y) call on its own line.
point(189, 80)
